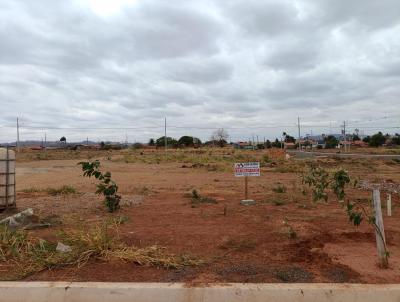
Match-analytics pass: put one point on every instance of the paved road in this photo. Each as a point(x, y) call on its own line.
point(303, 154)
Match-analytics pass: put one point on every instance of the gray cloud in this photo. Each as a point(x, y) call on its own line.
point(200, 63)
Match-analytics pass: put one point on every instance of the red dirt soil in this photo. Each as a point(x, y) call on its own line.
point(249, 244)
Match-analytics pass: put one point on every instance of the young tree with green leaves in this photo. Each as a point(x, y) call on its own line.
point(107, 187)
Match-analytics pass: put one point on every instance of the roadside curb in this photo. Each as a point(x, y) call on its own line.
point(144, 292)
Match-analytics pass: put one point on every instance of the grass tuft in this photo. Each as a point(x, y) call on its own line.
point(279, 188)
point(198, 199)
point(64, 190)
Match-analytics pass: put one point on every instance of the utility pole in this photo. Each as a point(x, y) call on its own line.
point(344, 134)
point(165, 135)
point(298, 126)
point(17, 135)
point(45, 142)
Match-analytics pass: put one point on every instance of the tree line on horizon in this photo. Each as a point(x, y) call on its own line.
point(220, 138)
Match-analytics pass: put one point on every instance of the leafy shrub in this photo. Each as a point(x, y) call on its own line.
point(318, 179)
point(339, 181)
point(107, 186)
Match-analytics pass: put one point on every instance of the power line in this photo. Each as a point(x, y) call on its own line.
point(272, 126)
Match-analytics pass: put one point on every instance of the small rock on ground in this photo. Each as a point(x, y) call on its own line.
point(248, 202)
point(63, 248)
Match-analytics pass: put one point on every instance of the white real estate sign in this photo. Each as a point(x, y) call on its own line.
point(247, 169)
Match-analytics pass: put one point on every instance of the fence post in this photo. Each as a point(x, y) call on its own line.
point(246, 190)
point(389, 204)
point(379, 230)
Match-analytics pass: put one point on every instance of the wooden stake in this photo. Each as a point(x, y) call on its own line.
point(379, 230)
point(389, 204)
point(246, 192)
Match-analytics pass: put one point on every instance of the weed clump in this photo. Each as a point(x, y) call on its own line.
point(64, 190)
point(279, 188)
point(199, 199)
point(291, 233)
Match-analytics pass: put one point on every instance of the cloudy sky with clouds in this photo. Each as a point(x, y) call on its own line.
point(249, 66)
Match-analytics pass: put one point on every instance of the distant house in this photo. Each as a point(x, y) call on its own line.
point(287, 145)
point(319, 144)
point(86, 147)
point(244, 146)
point(36, 148)
point(359, 143)
point(309, 143)
point(343, 143)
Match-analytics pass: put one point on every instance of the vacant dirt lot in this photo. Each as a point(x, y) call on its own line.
point(285, 237)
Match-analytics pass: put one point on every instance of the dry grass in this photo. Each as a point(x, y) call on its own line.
point(63, 190)
point(28, 255)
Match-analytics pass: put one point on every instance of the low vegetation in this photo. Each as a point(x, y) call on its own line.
point(320, 180)
point(63, 190)
point(27, 255)
point(291, 233)
point(198, 199)
point(107, 187)
point(279, 188)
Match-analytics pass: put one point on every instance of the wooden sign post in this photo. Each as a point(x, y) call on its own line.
point(247, 170)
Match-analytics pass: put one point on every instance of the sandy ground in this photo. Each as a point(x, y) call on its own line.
point(249, 244)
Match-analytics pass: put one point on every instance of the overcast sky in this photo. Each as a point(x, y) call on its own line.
point(202, 64)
